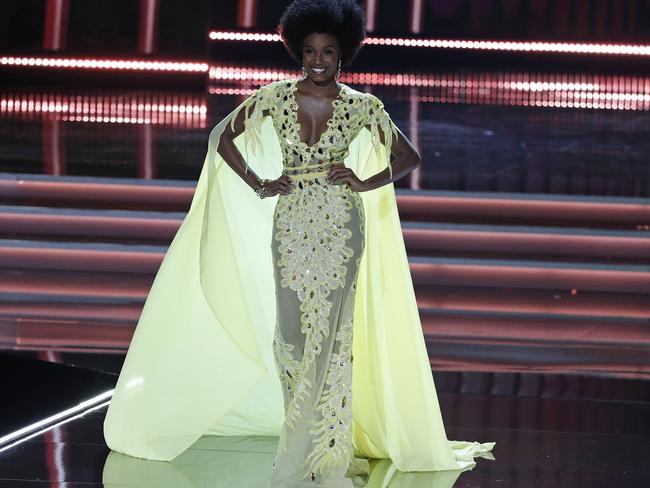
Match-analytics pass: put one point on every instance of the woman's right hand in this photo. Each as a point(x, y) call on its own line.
point(283, 185)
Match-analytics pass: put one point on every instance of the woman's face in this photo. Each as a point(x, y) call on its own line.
point(320, 56)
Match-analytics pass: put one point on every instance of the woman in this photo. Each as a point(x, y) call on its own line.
point(262, 305)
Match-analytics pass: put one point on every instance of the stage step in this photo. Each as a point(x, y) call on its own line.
point(483, 325)
point(63, 289)
point(423, 206)
point(133, 259)
point(502, 281)
point(456, 339)
point(422, 239)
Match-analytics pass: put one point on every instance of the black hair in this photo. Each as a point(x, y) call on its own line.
point(344, 19)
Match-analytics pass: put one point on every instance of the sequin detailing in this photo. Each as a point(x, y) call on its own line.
point(285, 361)
point(315, 239)
point(312, 246)
point(308, 168)
point(379, 121)
point(333, 430)
point(253, 109)
point(318, 241)
point(351, 112)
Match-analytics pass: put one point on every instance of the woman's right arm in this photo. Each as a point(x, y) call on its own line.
point(231, 155)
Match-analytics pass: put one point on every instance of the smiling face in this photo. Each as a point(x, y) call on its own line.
point(320, 56)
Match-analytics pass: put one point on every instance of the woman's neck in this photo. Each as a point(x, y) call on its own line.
point(328, 88)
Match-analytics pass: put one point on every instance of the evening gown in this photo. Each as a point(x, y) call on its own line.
point(317, 245)
point(261, 307)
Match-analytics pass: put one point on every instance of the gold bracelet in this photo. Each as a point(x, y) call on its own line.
point(260, 189)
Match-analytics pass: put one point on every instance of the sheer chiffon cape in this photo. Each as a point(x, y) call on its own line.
point(201, 362)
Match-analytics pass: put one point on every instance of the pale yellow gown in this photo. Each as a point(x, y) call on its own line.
point(317, 245)
point(291, 316)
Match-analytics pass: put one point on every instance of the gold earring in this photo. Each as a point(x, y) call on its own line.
point(338, 72)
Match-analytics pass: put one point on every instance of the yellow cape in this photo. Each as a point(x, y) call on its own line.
point(201, 360)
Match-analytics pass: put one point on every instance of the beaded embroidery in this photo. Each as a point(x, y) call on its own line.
point(253, 107)
point(352, 111)
point(312, 247)
point(286, 363)
point(333, 444)
point(379, 120)
point(288, 370)
point(311, 236)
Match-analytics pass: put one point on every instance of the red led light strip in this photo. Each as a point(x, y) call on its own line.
point(251, 75)
point(105, 64)
point(507, 46)
point(555, 100)
point(116, 109)
point(562, 90)
point(218, 90)
point(544, 90)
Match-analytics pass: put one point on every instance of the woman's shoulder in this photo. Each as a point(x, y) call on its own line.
point(370, 105)
point(367, 99)
point(276, 85)
point(374, 102)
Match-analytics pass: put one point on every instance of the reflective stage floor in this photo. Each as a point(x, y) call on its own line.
point(551, 430)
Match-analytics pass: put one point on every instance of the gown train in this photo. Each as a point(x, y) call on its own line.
point(212, 351)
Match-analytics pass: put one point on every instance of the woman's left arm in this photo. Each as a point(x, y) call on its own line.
point(406, 157)
point(406, 160)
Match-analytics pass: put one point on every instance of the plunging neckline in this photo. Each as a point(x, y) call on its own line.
point(328, 126)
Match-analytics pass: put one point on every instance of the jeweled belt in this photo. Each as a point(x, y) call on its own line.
point(310, 170)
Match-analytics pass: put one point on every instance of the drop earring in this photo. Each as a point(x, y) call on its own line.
point(338, 72)
point(304, 72)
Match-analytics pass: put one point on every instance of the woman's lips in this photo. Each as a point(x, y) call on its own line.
point(318, 71)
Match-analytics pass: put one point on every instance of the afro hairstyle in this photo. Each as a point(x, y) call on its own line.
point(344, 19)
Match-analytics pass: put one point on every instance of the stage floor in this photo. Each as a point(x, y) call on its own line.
point(545, 437)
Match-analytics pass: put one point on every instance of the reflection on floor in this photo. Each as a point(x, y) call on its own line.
point(224, 461)
point(551, 431)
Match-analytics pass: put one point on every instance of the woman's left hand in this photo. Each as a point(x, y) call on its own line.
point(339, 174)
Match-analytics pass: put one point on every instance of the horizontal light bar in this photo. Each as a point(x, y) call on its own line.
point(573, 91)
point(218, 90)
point(243, 36)
point(252, 75)
point(614, 85)
point(104, 64)
point(576, 100)
point(126, 108)
point(521, 89)
point(123, 120)
point(506, 46)
point(18, 104)
point(517, 46)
